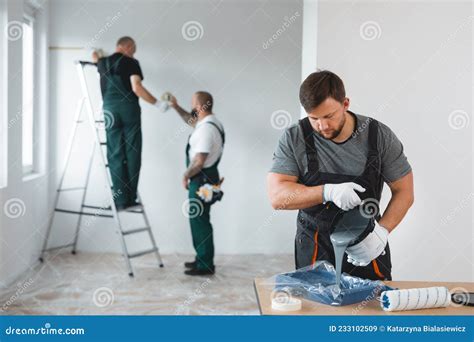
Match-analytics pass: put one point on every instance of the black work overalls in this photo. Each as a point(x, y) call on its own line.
point(314, 224)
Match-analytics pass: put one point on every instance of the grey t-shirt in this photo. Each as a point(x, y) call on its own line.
point(346, 158)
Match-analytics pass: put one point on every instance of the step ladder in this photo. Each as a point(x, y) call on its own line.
point(100, 211)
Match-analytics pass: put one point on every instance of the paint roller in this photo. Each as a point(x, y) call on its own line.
point(422, 298)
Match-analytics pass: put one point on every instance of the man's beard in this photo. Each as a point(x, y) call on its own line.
point(333, 135)
point(336, 132)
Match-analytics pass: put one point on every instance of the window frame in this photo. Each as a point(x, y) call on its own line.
point(29, 169)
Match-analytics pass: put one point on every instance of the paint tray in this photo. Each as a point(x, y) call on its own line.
point(317, 283)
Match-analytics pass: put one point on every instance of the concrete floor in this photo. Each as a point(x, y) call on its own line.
point(98, 284)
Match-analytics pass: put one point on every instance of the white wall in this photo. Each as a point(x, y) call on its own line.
point(413, 76)
point(23, 200)
point(309, 50)
point(248, 82)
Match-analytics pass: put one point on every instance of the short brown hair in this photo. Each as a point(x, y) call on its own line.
point(205, 99)
point(125, 40)
point(318, 86)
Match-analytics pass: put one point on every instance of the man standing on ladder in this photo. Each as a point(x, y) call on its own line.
point(121, 86)
point(201, 179)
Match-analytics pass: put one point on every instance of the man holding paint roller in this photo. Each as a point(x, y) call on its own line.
point(121, 85)
point(334, 160)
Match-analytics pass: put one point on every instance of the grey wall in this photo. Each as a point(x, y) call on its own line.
point(250, 79)
point(409, 65)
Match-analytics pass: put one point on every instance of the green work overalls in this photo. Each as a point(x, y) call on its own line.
point(122, 115)
point(200, 219)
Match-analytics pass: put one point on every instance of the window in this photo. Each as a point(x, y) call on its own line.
point(3, 107)
point(27, 111)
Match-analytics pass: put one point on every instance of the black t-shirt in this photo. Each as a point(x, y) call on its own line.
point(124, 66)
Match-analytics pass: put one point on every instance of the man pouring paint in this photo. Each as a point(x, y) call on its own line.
point(333, 161)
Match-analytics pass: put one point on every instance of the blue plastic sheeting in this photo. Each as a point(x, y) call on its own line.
point(318, 283)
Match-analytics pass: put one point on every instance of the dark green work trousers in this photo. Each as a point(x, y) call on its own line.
point(201, 229)
point(200, 218)
point(124, 148)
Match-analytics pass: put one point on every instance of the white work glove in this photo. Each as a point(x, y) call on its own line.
point(343, 195)
point(163, 106)
point(370, 248)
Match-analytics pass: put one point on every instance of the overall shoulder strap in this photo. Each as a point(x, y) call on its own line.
point(311, 154)
point(111, 66)
point(107, 64)
point(373, 136)
point(221, 132)
point(374, 161)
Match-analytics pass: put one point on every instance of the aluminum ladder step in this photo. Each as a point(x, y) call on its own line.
point(135, 230)
point(137, 254)
point(81, 213)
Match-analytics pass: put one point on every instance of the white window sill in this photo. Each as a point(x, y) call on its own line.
point(31, 176)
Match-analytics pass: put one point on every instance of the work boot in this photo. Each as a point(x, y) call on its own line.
point(120, 207)
point(191, 264)
point(198, 272)
point(134, 207)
